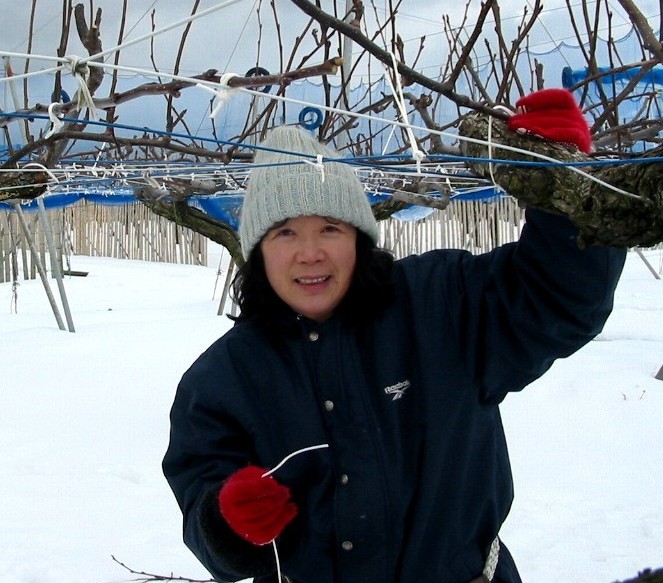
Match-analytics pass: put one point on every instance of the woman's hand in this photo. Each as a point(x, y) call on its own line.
point(552, 114)
point(257, 508)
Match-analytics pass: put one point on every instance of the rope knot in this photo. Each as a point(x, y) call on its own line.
point(222, 94)
point(81, 72)
point(77, 66)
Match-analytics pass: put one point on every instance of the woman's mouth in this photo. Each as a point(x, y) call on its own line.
point(312, 280)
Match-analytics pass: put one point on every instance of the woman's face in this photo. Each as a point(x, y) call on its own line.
point(309, 262)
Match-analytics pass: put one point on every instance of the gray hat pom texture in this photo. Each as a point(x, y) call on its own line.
point(277, 192)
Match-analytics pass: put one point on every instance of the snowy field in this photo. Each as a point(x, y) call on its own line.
point(84, 425)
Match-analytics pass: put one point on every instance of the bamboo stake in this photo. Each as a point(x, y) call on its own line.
point(39, 237)
point(3, 256)
point(58, 235)
point(5, 248)
point(29, 271)
point(97, 231)
point(226, 288)
point(651, 269)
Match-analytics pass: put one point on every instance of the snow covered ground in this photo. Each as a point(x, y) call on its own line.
point(84, 425)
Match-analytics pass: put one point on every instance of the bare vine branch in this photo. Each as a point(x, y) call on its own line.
point(413, 76)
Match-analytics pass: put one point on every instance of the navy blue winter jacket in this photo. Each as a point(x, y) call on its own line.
point(416, 481)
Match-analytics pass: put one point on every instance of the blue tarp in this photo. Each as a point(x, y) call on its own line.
point(227, 207)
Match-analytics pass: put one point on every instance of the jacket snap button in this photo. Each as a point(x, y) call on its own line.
point(329, 405)
point(344, 479)
point(313, 336)
point(346, 545)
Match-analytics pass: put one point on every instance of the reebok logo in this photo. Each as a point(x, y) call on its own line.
point(397, 391)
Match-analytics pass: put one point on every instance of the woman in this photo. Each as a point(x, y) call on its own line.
point(380, 379)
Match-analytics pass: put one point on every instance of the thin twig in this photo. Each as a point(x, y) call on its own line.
point(152, 577)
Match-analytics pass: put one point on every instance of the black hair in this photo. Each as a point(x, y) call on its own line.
point(370, 292)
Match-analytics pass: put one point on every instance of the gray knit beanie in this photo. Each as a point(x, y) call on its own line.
point(277, 192)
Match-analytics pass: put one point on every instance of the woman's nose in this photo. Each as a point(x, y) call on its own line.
point(309, 250)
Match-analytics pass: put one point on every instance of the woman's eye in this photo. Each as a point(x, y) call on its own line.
point(331, 229)
point(283, 233)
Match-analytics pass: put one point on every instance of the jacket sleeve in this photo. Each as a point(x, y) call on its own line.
point(206, 446)
point(543, 299)
point(507, 315)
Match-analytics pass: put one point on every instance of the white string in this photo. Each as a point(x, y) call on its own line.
point(399, 98)
point(278, 561)
point(318, 165)
point(357, 115)
point(58, 124)
point(42, 167)
point(490, 155)
point(490, 147)
point(293, 454)
point(386, 143)
point(269, 473)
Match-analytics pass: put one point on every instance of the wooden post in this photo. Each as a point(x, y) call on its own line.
point(38, 264)
point(55, 265)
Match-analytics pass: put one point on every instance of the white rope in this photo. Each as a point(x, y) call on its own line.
point(491, 561)
point(95, 59)
point(6, 55)
point(370, 118)
point(98, 64)
point(223, 94)
point(20, 76)
point(42, 168)
point(399, 98)
point(467, 139)
point(79, 69)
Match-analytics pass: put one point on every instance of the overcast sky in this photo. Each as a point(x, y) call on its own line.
point(228, 39)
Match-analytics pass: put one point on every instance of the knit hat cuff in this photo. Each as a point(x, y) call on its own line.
point(297, 194)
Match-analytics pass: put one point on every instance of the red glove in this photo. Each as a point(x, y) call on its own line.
point(256, 508)
point(552, 114)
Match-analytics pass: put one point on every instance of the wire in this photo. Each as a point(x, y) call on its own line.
point(154, 33)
